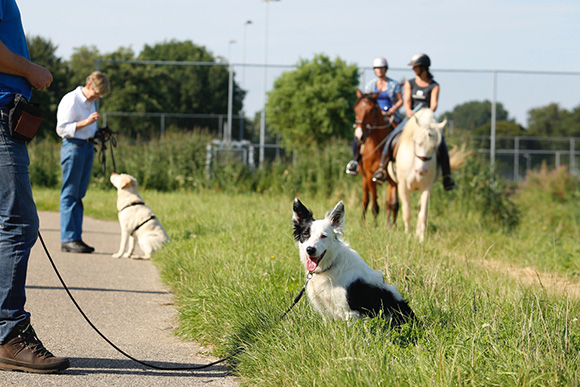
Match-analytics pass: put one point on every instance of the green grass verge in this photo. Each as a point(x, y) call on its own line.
point(234, 269)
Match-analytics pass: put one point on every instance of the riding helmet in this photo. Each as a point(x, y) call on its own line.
point(420, 60)
point(380, 62)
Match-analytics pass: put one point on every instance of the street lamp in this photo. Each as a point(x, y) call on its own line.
point(244, 53)
point(244, 78)
point(228, 134)
point(263, 115)
point(232, 41)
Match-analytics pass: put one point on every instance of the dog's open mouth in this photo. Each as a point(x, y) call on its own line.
point(312, 262)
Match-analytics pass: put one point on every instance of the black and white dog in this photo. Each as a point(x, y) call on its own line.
point(343, 286)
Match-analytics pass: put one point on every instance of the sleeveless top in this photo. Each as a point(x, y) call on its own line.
point(421, 94)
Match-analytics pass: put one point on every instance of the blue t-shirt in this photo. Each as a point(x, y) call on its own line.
point(387, 98)
point(12, 35)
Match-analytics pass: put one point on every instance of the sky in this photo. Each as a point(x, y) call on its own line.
point(473, 36)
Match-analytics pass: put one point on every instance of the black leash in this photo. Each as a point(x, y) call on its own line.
point(299, 296)
point(198, 367)
point(102, 136)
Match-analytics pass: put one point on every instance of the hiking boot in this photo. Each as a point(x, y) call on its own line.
point(380, 176)
point(352, 168)
point(24, 352)
point(78, 247)
point(448, 183)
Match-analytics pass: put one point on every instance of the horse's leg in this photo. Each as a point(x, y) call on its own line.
point(423, 214)
point(365, 198)
point(373, 192)
point(405, 196)
point(392, 204)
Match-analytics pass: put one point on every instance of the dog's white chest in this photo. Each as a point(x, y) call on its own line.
point(329, 298)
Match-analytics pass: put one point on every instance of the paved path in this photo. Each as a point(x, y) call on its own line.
point(125, 299)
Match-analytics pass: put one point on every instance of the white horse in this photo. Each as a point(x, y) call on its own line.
point(415, 166)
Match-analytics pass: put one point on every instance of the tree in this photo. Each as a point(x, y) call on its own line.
point(313, 103)
point(43, 52)
point(474, 114)
point(155, 88)
point(547, 121)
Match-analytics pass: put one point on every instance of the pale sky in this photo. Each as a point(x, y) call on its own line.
point(527, 35)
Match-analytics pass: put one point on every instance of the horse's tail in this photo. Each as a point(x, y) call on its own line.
point(458, 156)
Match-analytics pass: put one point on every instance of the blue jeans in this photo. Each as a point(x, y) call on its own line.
point(18, 227)
point(76, 160)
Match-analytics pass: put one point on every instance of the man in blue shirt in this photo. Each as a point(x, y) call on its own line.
point(20, 349)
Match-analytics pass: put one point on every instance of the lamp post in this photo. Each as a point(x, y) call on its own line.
point(263, 115)
point(228, 135)
point(243, 118)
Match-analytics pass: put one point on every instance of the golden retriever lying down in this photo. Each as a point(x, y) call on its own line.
point(137, 220)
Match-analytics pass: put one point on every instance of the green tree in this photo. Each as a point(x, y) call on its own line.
point(571, 122)
point(43, 52)
point(548, 121)
point(314, 103)
point(474, 114)
point(82, 63)
point(155, 88)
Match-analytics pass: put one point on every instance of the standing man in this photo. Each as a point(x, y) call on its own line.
point(20, 349)
point(77, 124)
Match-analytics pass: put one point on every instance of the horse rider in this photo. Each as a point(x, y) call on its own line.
point(422, 91)
point(389, 100)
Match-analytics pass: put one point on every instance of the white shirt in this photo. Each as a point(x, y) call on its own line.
point(74, 107)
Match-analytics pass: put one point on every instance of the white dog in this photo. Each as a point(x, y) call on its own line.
point(342, 286)
point(137, 220)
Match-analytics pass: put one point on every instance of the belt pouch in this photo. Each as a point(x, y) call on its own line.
point(24, 119)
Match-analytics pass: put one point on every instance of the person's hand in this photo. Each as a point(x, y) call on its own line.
point(39, 77)
point(92, 118)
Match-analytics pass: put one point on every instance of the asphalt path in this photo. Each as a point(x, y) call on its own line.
point(125, 300)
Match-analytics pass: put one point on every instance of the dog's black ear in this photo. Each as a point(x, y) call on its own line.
point(301, 219)
point(336, 216)
point(301, 213)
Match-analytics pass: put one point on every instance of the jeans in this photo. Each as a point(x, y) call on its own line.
point(76, 160)
point(18, 227)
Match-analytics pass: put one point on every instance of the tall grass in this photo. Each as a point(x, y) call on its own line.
point(234, 269)
point(178, 162)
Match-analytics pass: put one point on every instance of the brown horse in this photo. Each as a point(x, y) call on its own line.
point(372, 130)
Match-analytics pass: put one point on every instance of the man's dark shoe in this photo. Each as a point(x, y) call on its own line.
point(78, 247)
point(24, 352)
point(448, 183)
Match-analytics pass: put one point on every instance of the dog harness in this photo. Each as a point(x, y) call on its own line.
point(145, 221)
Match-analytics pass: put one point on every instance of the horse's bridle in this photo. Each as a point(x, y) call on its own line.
point(422, 158)
point(376, 110)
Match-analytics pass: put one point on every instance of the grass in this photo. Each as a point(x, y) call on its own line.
point(234, 269)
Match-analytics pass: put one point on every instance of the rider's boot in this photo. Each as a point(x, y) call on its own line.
point(380, 175)
point(352, 166)
point(443, 157)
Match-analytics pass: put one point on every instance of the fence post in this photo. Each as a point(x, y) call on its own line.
point(572, 154)
point(492, 142)
point(516, 159)
point(208, 161)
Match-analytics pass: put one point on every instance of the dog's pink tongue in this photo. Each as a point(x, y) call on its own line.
point(311, 264)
